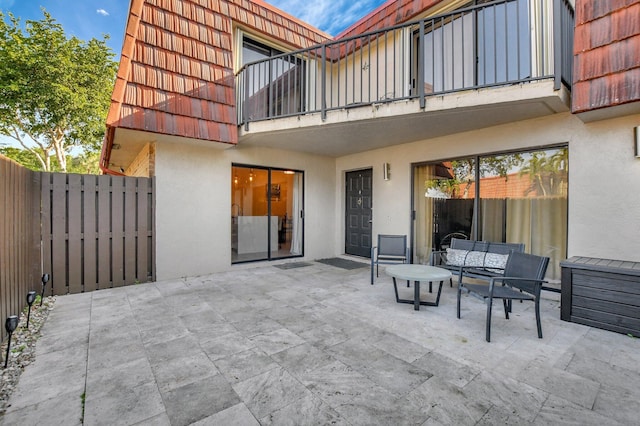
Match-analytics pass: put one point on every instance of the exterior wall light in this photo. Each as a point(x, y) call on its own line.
point(386, 171)
point(636, 141)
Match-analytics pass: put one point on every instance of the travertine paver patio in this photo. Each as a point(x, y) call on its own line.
point(316, 345)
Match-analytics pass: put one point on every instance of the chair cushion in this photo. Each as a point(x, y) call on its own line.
point(479, 259)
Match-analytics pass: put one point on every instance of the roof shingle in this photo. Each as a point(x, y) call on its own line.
point(176, 69)
point(606, 54)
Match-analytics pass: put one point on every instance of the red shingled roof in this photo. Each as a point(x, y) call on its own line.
point(176, 69)
point(607, 54)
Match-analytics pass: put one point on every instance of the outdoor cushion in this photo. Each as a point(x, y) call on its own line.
point(478, 259)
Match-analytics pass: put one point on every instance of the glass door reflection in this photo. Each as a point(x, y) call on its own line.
point(266, 214)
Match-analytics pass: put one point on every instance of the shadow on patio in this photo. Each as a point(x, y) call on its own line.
point(316, 345)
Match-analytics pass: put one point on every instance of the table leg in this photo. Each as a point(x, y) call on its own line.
point(395, 288)
point(439, 291)
point(416, 295)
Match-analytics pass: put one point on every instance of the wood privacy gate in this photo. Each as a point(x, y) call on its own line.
point(97, 231)
point(88, 232)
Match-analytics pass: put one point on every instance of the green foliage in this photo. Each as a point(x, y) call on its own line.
point(85, 163)
point(22, 156)
point(54, 91)
point(548, 173)
point(18, 349)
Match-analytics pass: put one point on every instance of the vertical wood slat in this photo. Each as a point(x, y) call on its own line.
point(130, 231)
point(84, 232)
point(142, 266)
point(104, 231)
point(6, 268)
point(117, 231)
point(59, 233)
point(17, 237)
point(46, 236)
point(74, 239)
point(5, 286)
point(90, 233)
point(36, 241)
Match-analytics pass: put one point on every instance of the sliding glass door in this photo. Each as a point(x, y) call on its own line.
point(266, 213)
point(514, 197)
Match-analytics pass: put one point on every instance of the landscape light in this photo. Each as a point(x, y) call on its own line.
point(31, 297)
point(45, 280)
point(10, 325)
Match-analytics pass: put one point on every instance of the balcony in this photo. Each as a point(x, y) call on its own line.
point(477, 67)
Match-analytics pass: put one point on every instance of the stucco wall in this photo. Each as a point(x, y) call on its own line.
point(193, 207)
point(604, 203)
point(604, 195)
point(193, 190)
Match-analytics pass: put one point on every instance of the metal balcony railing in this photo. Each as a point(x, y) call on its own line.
point(492, 44)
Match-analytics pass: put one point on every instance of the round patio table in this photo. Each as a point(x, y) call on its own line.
point(417, 273)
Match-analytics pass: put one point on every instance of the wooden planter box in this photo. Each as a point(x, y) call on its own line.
point(601, 293)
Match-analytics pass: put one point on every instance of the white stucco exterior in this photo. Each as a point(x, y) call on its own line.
point(603, 175)
point(193, 207)
point(193, 186)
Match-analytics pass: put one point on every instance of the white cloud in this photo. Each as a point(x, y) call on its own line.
point(331, 16)
point(102, 12)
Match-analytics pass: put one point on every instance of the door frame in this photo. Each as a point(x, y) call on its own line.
point(346, 219)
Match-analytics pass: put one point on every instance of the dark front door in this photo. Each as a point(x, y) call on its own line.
point(358, 213)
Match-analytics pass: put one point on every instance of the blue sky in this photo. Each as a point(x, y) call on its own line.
point(88, 19)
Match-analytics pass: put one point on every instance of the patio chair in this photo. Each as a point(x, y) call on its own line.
point(391, 249)
point(522, 280)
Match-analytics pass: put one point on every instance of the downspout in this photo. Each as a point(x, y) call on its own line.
point(105, 154)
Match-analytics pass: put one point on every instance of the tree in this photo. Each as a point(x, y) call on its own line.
point(548, 175)
point(22, 156)
point(54, 91)
point(84, 163)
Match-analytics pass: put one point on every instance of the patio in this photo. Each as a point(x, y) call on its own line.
point(316, 345)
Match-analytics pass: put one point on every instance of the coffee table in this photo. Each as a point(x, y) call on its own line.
point(417, 273)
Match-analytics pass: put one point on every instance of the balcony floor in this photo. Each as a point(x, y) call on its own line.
point(362, 128)
point(316, 345)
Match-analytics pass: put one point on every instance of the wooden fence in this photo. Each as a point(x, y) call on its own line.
point(88, 232)
point(97, 231)
point(19, 238)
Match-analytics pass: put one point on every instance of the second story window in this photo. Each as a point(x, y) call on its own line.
point(274, 85)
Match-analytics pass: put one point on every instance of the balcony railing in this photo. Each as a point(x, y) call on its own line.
point(493, 44)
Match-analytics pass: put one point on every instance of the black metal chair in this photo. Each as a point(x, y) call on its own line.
point(522, 280)
point(391, 249)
